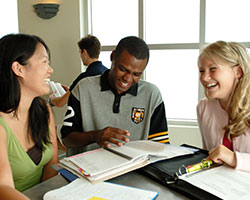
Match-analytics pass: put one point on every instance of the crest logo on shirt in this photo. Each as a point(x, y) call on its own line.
point(137, 115)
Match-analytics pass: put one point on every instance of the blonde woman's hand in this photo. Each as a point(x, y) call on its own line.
point(221, 154)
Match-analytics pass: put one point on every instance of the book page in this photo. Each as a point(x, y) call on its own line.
point(156, 151)
point(134, 149)
point(101, 160)
point(83, 190)
point(98, 161)
point(223, 181)
point(108, 174)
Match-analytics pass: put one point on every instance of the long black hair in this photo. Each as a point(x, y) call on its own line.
point(20, 47)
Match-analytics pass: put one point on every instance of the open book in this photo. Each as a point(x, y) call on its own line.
point(81, 189)
point(105, 163)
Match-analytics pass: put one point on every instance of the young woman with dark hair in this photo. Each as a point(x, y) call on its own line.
point(28, 143)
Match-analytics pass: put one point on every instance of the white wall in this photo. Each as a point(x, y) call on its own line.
point(8, 17)
point(185, 135)
point(61, 34)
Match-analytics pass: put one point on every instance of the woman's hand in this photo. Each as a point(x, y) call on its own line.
point(222, 154)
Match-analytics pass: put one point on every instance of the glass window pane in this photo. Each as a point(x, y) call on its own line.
point(227, 20)
point(175, 72)
point(114, 19)
point(8, 17)
point(105, 58)
point(169, 21)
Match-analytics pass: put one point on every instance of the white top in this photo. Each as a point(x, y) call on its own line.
point(212, 119)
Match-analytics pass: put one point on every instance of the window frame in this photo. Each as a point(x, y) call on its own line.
point(87, 4)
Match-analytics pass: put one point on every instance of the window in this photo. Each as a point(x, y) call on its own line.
point(168, 22)
point(176, 75)
point(175, 32)
point(113, 20)
point(228, 20)
point(8, 17)
point(170, 30)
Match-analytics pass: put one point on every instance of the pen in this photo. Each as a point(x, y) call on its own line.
point(83, 172)
point(202, 165)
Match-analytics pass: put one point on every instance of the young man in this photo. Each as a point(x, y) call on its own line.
point(90, 48)
point(116, 106)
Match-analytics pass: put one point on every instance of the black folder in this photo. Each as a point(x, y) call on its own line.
point(164, 173)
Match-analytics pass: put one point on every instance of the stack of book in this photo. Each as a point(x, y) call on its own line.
point(106, 163)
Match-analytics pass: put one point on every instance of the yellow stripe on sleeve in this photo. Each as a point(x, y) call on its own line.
point(164, 141)
point(158, 134)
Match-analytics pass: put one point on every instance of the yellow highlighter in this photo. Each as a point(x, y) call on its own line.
point(199, 166)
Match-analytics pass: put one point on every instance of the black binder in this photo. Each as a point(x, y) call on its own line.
point(164, 173)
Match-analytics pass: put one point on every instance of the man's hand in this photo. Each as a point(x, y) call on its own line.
point(111, 135)
point(222, 154)
point(66, 88)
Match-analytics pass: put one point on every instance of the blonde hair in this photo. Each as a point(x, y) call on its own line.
point(233, 54)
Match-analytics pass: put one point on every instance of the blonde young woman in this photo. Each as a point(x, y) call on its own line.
point(28, 143)
point(224, 117)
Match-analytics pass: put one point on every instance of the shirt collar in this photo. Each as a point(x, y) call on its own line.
point(106, 86)
point(94, 65)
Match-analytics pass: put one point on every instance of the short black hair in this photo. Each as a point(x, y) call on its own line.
point(134, 45)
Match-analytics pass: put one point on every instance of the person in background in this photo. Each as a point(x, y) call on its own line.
point(116, 105)
point(27, 131)
point(224, 116)
point(89, 48)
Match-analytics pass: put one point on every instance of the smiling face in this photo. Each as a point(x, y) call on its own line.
point(218, 80)
point(36, 74)
point(126, 71)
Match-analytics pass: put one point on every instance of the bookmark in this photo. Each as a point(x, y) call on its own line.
point(83, 172)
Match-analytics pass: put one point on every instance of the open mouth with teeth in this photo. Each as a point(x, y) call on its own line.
point(47, 80)
point(124, 84)
point(211, 85)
